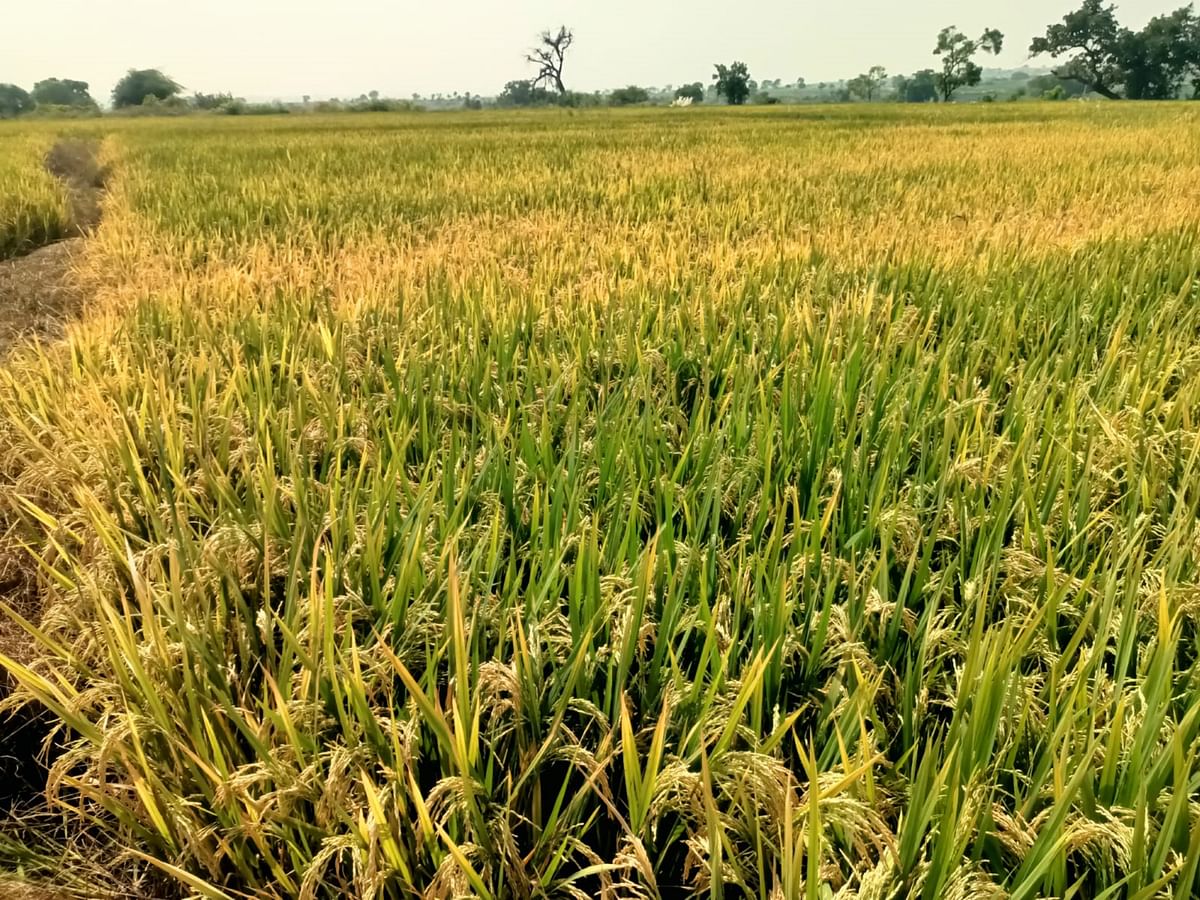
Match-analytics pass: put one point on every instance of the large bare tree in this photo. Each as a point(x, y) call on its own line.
point(550, 55)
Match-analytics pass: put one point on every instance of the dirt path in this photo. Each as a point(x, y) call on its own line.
point(38, 292)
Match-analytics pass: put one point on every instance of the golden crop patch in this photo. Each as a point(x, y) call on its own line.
point(799, 502)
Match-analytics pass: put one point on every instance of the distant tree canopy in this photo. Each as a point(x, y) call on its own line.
point(213, 101)
point(628, 96)
point(550, 57)
point(1052, 87)
point(524, 93)
point(15, 101)
point(957, 51)
point(733, 82)
point(920, 87)
point(1116, 62)
point(63, 92)
point(139, 84)
point(693, 92)
point(868, 85)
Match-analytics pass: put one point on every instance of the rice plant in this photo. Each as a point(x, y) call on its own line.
point(667, 503)
point(33, 207)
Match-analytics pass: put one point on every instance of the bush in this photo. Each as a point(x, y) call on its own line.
point(524, 93)
point(382, 104)
point(15, 101)
point(153, 106)
point(58, 111)
point(628, 96)
point(139, 85)
point(242, 108)
point(577, 100)
point(1047, 84)
point(213, 101)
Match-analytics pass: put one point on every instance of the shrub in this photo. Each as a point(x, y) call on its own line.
point(628, 96)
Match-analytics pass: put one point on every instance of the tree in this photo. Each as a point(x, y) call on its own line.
point(138, 84)
point(878, 76)
point(628, 96)
point(693, 92)
point(212, 101)
point(867, 85)
point(959, 68)
point(523, 93)
point(1159, 58)
point(15, 101)
point(1093, 32)
point(920, 87)
point(63, 92)
point(733, 82)
point(1115, 62)
point(1045, 85)
point(550, 56)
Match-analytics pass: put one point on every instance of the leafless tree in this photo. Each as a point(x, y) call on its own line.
point(549, 57)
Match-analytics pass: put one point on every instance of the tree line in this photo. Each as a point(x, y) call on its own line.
point(1094, 52)
point(1161, 61)
point(137, 88)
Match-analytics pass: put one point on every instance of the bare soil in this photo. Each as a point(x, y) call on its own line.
point(38, 294)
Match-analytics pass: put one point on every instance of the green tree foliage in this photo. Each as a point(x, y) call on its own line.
point(15, 101)
point(1115, 62)
point(920, 87)
point(1160, 58)
point(693, 92)
point(628, 96)
point(140, 84)
point(212, 101)
point(868, 85)
point(957, 51)
point(1061, 88)
point(1093, 35)
point(524, 93)
point(733, 82)
point(63, 92)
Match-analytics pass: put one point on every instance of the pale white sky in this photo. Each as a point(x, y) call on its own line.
point(264, 49)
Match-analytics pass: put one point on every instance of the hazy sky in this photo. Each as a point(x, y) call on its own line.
point(263, 49)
